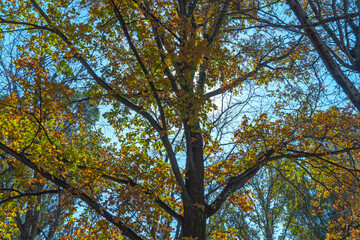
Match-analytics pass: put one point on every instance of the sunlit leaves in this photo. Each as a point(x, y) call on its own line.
point(162, 71)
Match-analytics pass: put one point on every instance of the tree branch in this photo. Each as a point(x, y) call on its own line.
point(219, 22)
point(238, 182)
point(239, 80)
point(76, 192)
point(20, 195)
point(158, 201)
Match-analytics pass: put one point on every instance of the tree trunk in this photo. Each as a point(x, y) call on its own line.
point(194, 223)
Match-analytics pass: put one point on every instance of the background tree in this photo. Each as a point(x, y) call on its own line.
point(336, 40)
point(200, 104)
point(333, 29)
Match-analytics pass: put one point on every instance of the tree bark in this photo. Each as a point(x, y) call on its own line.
point(194, 223)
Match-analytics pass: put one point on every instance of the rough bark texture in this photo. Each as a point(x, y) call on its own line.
point(194, 224)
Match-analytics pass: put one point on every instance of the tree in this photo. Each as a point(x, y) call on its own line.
point(308, 198)
point(333, 30)
point(38, 216)
point(200, 104)
point(283, 208)
point(338, 42)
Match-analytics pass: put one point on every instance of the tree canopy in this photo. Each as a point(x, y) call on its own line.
point(224, 114)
